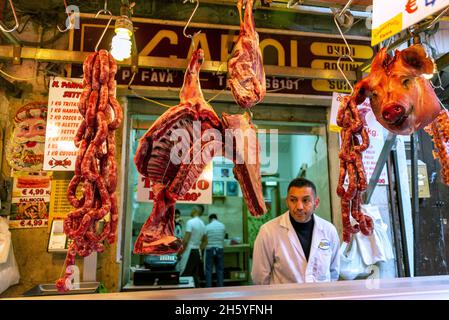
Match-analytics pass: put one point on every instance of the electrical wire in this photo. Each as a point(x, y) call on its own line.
point(16, 78)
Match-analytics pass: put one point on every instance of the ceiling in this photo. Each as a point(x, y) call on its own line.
point(268, 14)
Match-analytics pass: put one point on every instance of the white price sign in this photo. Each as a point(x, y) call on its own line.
point(63, 120)
point(391, 17)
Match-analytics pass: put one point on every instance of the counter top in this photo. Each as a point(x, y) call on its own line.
point(435, 287)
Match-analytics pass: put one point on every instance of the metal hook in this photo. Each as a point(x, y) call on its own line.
point(15, 19)
point(345, 8)
point(292, 3)
point(344, 39)
point(105, 11)
point(69, 18)
point(188, 22)
point(440, 85)
point(341, 71)
point(437, 18)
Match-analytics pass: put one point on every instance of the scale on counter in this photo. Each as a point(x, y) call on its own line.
point(158, 270)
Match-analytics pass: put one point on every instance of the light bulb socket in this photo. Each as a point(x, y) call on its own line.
point(123, 22)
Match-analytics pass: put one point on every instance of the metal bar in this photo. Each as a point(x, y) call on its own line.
point(77, 57)
point(389, 142)
point(401, 214)
point(415, 200)
point(394, 216)
point(443, 61)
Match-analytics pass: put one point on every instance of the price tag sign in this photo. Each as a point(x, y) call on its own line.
point(392, 16)
point(30, 200)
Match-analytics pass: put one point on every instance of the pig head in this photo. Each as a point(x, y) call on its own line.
point(402, 99)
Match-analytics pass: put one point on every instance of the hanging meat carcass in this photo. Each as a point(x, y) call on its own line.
point(403, 101)
point(95, 216)
point(246, 72)
point(173, 172)
point(244, 152)
point(171, 178)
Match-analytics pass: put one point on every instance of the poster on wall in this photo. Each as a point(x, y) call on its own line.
point(25, 149)
point(30, 200)
point(25, 154)
point(375, 132)
point(62, 124)
point(201, 191)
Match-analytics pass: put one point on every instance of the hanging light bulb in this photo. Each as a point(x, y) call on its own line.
point(121, 42)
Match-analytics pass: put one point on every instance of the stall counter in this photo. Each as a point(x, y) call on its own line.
point(434, 287)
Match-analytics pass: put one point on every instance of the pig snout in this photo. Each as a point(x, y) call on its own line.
point(393, 112)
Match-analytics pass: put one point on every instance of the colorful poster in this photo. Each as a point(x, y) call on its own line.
point(391, 17)
point(30, 200)
point(25, 150)
point(201, 191)
point(62, 124)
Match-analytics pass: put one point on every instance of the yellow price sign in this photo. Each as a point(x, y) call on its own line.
point(387, 29)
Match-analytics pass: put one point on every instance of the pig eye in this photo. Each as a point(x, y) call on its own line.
point(374, 94)
point(406, 83)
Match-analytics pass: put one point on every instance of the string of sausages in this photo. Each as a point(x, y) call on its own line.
point(351, 165)
point(439, 131)
point(95, 215)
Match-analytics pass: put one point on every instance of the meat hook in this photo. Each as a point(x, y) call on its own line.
point(105, 11)
point(341, 71)
point(15, 19)
point(188, 22)
point(437, 18)
point(69, 17)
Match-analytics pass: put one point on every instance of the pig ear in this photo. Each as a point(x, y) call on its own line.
point(416, 57)
point(382, 58)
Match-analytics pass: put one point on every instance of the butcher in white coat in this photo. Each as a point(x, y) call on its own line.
point(297, 246)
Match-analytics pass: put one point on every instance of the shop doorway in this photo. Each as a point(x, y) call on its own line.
point(291, 149)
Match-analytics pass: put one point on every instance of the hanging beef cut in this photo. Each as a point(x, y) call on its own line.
point(163, 160)
point(246, 73)
point(244, 152)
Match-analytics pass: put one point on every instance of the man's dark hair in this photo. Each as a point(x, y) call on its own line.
point(213, 216)
point(300, 183)
point(177, 212)
point(199, 208)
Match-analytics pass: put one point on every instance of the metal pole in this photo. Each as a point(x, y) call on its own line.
point(415, 201)
point(401, 214)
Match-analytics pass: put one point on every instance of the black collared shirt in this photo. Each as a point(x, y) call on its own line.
point(304, 232)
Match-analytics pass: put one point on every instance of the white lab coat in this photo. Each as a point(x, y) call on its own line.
point(278, 256)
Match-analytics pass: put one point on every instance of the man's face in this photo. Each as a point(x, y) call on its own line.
point(302, 203)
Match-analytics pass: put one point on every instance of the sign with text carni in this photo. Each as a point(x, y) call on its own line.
point(391, 17)
point(164, 39)
point(63, 120)
point(200, 192)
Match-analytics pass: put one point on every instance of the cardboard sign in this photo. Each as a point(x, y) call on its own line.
point(30, 200)
point(63, 120)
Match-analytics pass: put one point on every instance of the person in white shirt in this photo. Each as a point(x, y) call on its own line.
point(214, 255)
point(178, 224)
point(297, 246)
point(193, 243)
